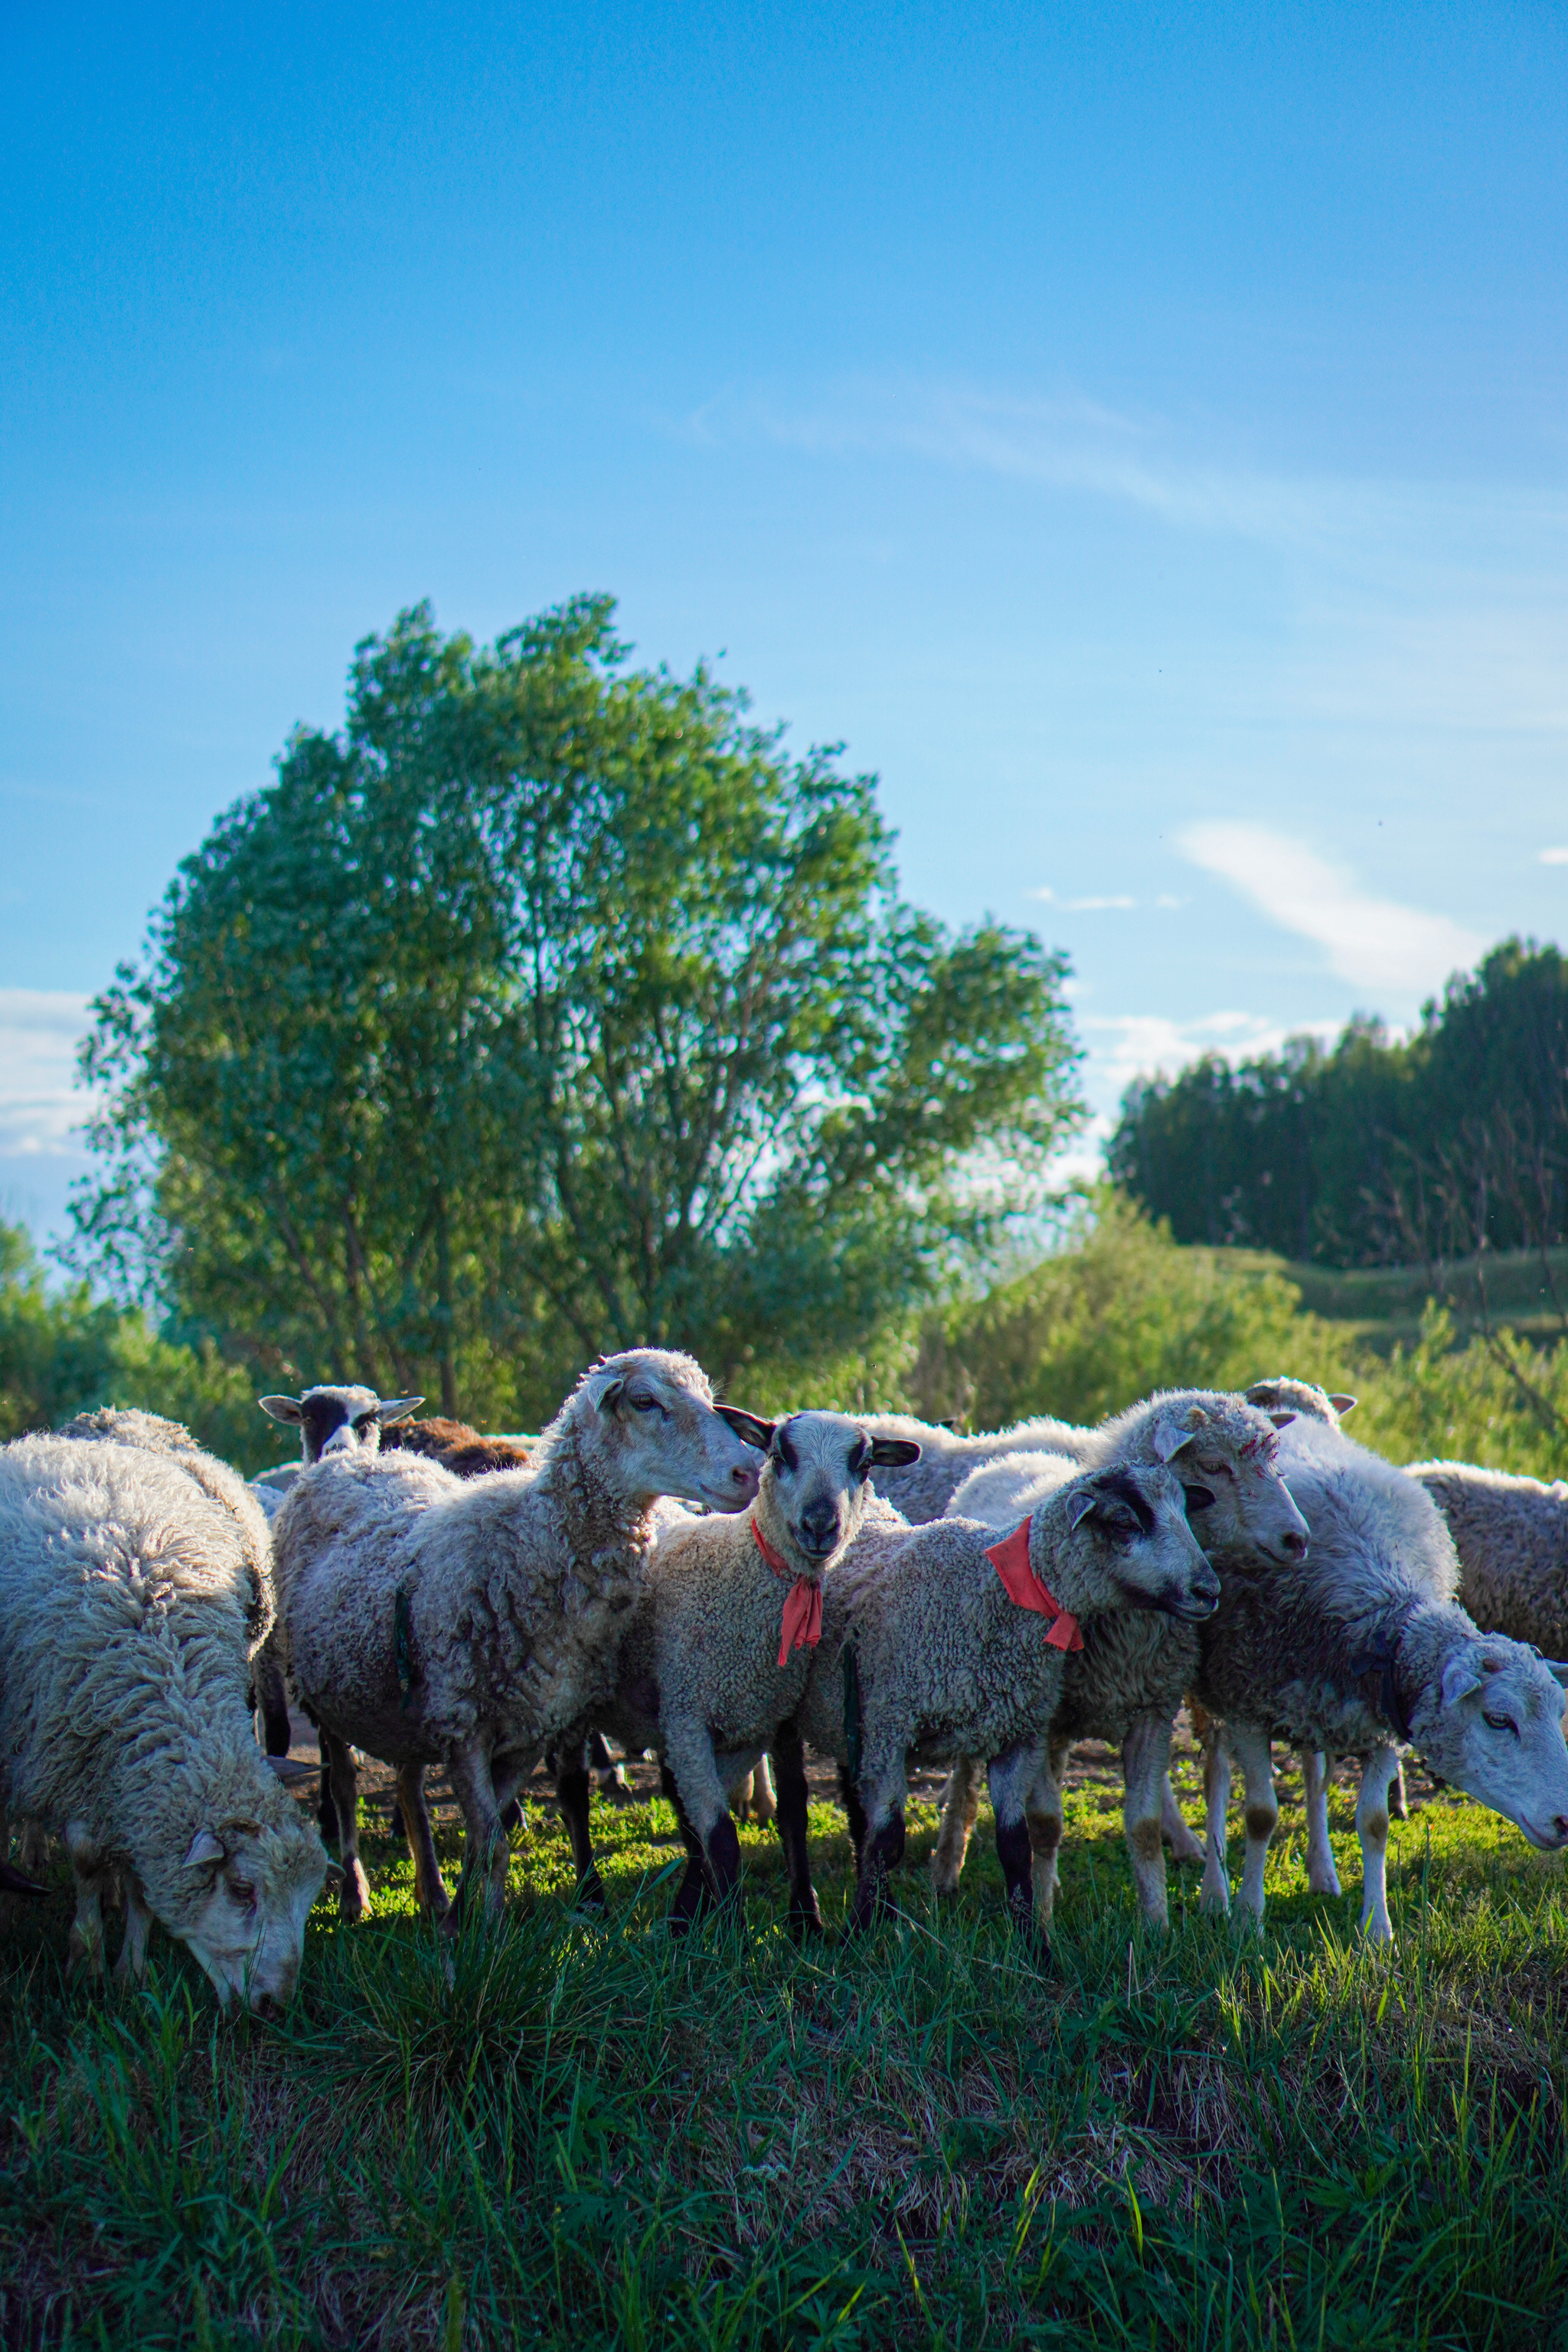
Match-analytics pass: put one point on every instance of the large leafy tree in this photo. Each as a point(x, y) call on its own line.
point(551, 1007)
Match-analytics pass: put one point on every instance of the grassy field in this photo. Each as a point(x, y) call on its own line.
point(1382, 1305)
point(583, 2133)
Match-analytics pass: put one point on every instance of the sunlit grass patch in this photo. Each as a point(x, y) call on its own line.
point(580, 2130)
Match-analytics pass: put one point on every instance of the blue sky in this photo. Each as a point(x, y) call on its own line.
point(1137, 434)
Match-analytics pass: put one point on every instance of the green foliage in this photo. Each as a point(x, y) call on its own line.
point(1498, 1401)
point(1116, 1311)
point(581, 2133)
point(1373, 1152)
point(551, 1008)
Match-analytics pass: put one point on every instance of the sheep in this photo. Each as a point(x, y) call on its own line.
point(471, 1623)
point(330, 1421)
point(930, 1646)
point(921, 1491)
point(714, 1661)
point(1361, 1645)
point(1512, 1537)
point(1129, 1680)
point(130, 1606)
point(469, 1454)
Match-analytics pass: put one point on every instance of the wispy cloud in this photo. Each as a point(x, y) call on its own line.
point(1374, 943)
point(1097, 906)
point(40, 1105)
point(1555, 856)
point(1070, 442)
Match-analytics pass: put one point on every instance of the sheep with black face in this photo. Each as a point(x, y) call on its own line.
point(714, 1664)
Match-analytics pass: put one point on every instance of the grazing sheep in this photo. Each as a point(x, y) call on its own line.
point(1129, 1682)
point(1361, 1645)
point(931, 1647)
point(131, 1605)
point(1511, 1535)
point(714, 1662)
point(471, 1623)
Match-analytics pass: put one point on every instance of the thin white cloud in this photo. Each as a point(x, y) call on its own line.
point(1096, 905)
point(41, 1103)
point(1374, 943)
point(1555, 856)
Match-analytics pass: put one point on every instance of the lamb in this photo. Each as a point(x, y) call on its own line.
point(132, 1606)
point(930, 1647)
point(1512, 1537)
point(714, 1665)
point(1361, 1645)
point(1129, 1680)
point(471, 1623)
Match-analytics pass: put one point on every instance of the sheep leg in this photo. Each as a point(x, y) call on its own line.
point(764, 1797)
point(1013, 1778)
point(693, 1893)
point(272, 1705)
point(882, 1848)
point(1398, 1803)
point(607, 1774)
point(486, 1854)
point(789, 1773)
point(1372, 1828)
point(1184, 1845)
point(344, 1783)
point(1215, 1892)
point(1317, 1771)
point(86, 1944)
point(429, 1888)
point(960, 1806)
point(849, 1798)
point(689, 1754)
point(1261, 1813)
point(1043, 1816)
point(1145, 1770)
point(33, 1848)
point(131, 1965)
point(572, 1791)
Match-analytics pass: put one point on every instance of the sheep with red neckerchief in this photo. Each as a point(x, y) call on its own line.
point(714, 1664)
point(944, 1640)
point(1129, 1683)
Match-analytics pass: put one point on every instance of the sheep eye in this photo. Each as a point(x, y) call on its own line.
point(243, 1893)
point(1501, 1723)
point(1215, 1470)
point(644, 1404)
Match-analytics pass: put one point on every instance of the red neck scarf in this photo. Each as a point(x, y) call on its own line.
point(1010, 1559)
point(802, 1628)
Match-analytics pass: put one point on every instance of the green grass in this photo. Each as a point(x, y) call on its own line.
point(584, 2134)
point(1383, 1306)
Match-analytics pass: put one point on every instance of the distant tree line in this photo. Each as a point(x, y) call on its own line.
point(1374, 1152)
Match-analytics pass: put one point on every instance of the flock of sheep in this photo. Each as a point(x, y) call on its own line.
point(687, 1578)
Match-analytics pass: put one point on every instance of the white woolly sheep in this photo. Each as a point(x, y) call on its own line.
point(1135, 1671)
point(1360, 1646)
point(473, 1623)
point(932, 1646)
point(130, 1606)
point(714, 1661)
point(1511, 1535)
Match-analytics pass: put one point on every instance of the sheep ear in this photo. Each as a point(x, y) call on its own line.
point(611, 1394)
point(746, 1426)
point(894, 1452)
point(281, 1408)
point(1169, 1439)
point(204, 1848)
point(289, 1771)
point(1559, 1668)
point(1080, 1505)
point(1461, 1675)
point(398, 1409)
point(1342, 1404)
point(1281, 1420)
